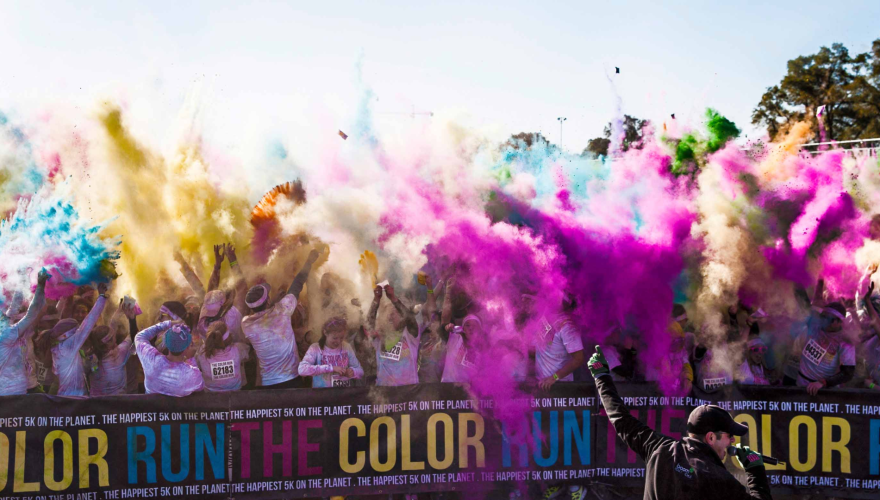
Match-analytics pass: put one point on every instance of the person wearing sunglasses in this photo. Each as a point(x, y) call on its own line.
point(692, 467)
point(752, 369)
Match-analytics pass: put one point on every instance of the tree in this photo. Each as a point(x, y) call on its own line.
point(848, 87)
point(528, 139)
point(632, 137)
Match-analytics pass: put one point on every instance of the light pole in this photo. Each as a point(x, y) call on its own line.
point(561, 119)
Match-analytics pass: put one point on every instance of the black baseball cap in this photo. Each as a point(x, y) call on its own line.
point(711, 418)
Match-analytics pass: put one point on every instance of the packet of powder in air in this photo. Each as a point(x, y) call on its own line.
point(128, 301)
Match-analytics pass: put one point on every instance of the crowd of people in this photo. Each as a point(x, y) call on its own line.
point(257, 338)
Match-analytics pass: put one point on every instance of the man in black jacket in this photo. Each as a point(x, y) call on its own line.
point(692, 467)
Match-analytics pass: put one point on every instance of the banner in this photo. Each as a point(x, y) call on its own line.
point(436, 437)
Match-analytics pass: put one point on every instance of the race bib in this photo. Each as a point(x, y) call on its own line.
point(710, 384)
point(814, 352)
point(340, 381)
point(222, 370)
point(41, 371)
point(392, 354)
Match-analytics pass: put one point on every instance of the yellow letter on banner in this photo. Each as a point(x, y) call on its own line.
point(794, 445)
point(447, 441)
point(405, 449)
point(85, 460)
point(839, 446)
point(4, 460)
point(464, 441)
point(390, 444)
point(18, 484)
point(49, 460)
point(360, 459)
point(766, 441)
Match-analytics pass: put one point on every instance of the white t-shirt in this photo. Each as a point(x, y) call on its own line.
point(13, 372)
point(66, 359)
point(318, 363)
point(232, 318)
point(274, 342)
point(110, 378)
point(822, 355)
point(460, 360)
point(161, 376)
point(752, 374)
point(554, 345)
point(398, 365)
point(223, 371)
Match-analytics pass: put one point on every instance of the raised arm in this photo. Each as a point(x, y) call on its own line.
point(142, 341)
point(819, 294)
point(409, 318)
point(638, 436)
point(83, 330)
point(374, 308)
point(446, 314)
point(241, 286)
point(300, 280)
point(36, 305)
point(431, 303)
point(219, 255)
point(194, 282)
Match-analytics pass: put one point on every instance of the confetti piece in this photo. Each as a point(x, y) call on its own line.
point(616, 69)
point(343, 135)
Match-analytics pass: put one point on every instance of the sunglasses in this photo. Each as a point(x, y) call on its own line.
point(758, 348)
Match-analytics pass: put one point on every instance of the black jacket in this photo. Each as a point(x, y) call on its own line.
point(677, 469)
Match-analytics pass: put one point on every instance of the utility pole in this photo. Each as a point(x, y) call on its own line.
point(561, 119)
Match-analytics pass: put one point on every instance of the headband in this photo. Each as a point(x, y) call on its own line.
point(332, 322)
point(680, 317)
point(263, 298)
point(472, 317)
point(834, 312)
point(756, 341)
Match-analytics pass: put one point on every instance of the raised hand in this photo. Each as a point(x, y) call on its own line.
point(43, 277)
point(230, 252)
point(219, 254)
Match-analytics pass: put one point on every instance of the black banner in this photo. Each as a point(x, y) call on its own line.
point(323, 442)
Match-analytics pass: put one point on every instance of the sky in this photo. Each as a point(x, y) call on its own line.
point(263, 70)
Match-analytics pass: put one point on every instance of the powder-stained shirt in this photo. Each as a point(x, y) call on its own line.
point(711, 377)
point(822, 355)
point(318, 363)
point(13, 372)
point(871, 354)
point(223, 371)
point(274, 342)
point(67, 361)
point(554, 345)
point(110, 377)
point(397, 364)
point(161, 375)
point(232, 318)
point(460, 360)
point(752, 374)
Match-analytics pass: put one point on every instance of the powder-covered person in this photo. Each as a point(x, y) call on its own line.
point(221, 357)
point(112, 346)
point(460, 352)
point(331, 362)
point(13, 338)
point(270, 333)
point(397, 349)
point(68, 337)
point(173, 374)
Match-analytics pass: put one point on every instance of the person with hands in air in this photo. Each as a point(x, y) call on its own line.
point(112, 346)
point(396, 341)
point(174, 374)
point(68, 337)
point(13, 338)
point(692, 467)
point(270, 333)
